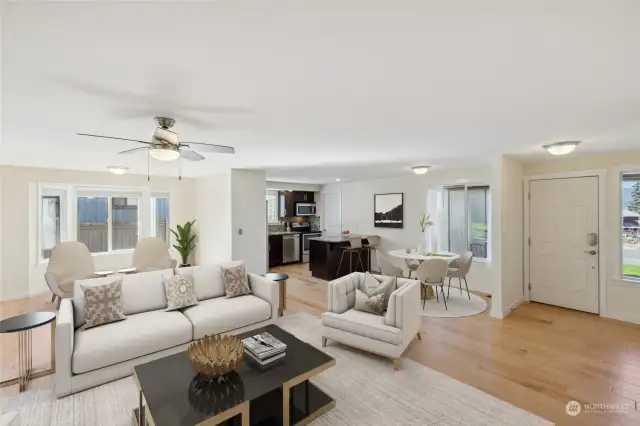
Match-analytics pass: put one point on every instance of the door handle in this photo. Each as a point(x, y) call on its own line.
point(591, 252)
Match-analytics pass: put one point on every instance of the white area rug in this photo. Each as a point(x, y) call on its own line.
point(458, 304)
point(367, 390)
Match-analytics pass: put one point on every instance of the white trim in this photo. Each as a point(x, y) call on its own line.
point(619, 256)
point(601, 174)
point(513, 307)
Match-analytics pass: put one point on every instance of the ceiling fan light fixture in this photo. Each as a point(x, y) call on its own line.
point(118, 170)
point(420, 170)
point(164, 154)
point(561, 148)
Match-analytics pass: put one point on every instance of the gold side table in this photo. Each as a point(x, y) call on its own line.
point(281, 279)
point(23, 325)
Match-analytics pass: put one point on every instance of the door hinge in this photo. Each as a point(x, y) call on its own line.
point(529, 241)
point(529, 196)
point(529, 286)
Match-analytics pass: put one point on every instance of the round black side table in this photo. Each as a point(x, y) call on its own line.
point(281, 279)
point(23, 324)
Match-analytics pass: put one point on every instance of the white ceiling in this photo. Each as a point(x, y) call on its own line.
point(337, 89)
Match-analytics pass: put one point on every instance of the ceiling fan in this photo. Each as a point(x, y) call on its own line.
point(166, 146)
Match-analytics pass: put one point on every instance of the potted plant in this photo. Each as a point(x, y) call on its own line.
point(425, 223)
point(185, 241)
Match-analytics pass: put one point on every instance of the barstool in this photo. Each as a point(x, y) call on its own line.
point(355, 244)
point(371, 247)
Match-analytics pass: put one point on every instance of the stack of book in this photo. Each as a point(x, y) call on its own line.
point(264, 348)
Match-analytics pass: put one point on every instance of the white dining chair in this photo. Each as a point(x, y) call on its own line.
point(432, 272)
point(387, 267)
point(460, 271)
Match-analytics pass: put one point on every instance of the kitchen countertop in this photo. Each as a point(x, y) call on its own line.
point(283, 233)
point(337, 238)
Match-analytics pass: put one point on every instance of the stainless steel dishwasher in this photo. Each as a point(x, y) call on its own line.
point(290, 248)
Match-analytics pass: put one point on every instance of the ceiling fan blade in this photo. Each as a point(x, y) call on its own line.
point(190, 155)
point(220, 149)
point(111, 137)
point(131, 151)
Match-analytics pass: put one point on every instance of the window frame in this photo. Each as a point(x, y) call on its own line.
point(70, 193)
point(620, 244)
point(446, 204)
point(276, 200)
point(152, 207)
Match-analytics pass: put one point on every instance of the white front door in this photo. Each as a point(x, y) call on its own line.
point(332, 223)
point(563, 265)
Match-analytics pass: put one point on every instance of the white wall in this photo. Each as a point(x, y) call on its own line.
point(21, 273)
point(213, 217)
point(226, 203)
point(512, 248)
point(622, 298)
point(357, 212)
point(285, 186)
point(249, 219)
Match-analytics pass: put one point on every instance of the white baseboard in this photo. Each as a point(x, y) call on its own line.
point(625, 318)
point(512, 307)
point(25, 295)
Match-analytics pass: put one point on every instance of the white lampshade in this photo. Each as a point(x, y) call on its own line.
point(118, 170)
point(420, 170)
point(164, 154)
point(561, 148)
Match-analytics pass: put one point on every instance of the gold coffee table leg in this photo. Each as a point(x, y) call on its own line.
point(25, 363)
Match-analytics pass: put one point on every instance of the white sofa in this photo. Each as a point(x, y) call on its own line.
point(88, 358)
point(387, 335)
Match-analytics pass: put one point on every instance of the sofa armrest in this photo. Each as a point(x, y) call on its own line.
point(404, 311)
point(64, 347)
point(341, 293)
point(266, 290)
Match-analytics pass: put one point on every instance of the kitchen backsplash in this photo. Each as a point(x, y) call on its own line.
point(315, 223)
point(277, 228)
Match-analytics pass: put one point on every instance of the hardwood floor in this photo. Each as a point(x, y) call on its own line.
point(539, 358)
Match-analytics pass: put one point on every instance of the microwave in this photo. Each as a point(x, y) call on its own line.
point(305, 209)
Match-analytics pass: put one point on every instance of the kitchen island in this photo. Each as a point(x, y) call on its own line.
point(325, 253)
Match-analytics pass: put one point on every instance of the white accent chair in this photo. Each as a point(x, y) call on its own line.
point(460, 271)
point(70, 261)
point(152, 254)
point(387, 335)
point(387, 267)
point(91, 357)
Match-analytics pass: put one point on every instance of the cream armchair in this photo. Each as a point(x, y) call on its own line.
point(69, 261)
point(387, 335)
point(152, 254)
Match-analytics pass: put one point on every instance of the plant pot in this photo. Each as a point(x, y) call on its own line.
point(184, 265)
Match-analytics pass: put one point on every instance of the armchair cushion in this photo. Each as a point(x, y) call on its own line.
point(372, 286)
point(363, 324)
point(373, 305)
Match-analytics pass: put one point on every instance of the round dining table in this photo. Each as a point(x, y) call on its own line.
point(426, 292)
point(413, 255)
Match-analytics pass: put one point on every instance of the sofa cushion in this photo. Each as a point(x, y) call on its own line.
point(236, 281)
point(207, 280)
point(141, 334)
point(180, 292)
point(140, 293)
point(221, 315)
point(103, 304)
point(363, 324)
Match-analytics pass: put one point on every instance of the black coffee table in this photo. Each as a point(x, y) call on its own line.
point(280, 394)
point(23, 324)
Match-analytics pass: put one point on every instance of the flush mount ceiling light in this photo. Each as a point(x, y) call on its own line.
point(561, 148)
point(118, 170)
point(337, 179)
point(420, 170)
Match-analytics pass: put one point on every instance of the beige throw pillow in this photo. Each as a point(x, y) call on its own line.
point(236, 282)
point(180, 292)
point(103, 304)
point(373, 305)
point(373, 286)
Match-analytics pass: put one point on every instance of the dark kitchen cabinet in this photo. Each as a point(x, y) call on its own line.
point(303, 196)
point(275, 250)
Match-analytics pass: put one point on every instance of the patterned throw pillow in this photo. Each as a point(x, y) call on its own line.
point(235, 280)
point(373, 286)
point(103, 304)
point(180, 291)
point(373, 305)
